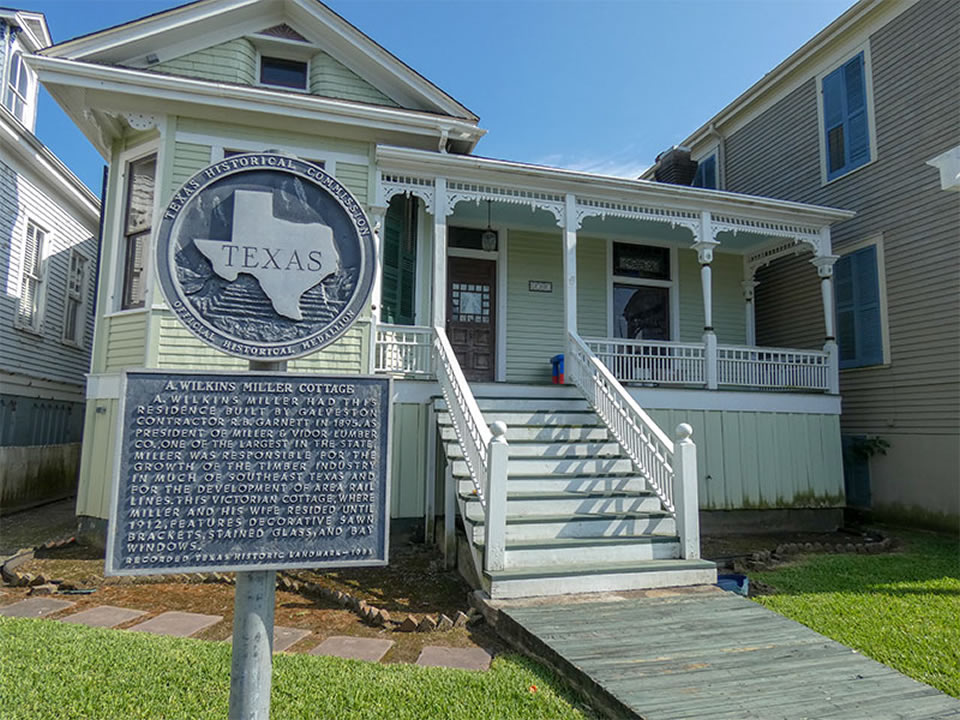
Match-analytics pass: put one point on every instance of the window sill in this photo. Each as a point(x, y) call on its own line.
point(129, 311)
point(36, 333)
point(824, 182)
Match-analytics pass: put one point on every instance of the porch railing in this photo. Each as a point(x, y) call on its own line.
point(404, 350)
point(773, 368)
point(485, 450)
point(664, 363)
point(671, 475)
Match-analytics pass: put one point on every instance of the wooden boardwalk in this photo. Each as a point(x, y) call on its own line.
point(704, 653)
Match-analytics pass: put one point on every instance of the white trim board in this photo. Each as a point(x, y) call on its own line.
point(422, 391)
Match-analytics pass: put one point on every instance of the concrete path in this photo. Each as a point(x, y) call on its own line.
point(35, 607)
point(665, 655)
point(177, 624)
point(183, 624)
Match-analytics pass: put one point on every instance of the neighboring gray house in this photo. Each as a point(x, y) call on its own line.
point(866, 117)
point(48, 258)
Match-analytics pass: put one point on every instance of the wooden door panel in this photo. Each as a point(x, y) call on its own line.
point(471, 315)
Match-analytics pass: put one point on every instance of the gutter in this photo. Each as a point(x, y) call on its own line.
point(560, 181)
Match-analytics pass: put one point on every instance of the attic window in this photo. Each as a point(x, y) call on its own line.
point(284, 31)
point(283, 73)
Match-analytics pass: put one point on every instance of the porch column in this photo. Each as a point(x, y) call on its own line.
point(440, 253)
point(569, 267)
point(377, 213)
point(824, 265)
point(704, 247)
point(751, 317)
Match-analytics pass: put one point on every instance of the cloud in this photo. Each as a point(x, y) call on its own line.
point(625, 164)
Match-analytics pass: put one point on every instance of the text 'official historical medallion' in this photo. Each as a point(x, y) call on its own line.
point(265, 256)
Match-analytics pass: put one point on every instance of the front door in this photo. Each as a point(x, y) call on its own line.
point(471, 315)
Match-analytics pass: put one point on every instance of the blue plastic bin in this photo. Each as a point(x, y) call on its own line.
point(557, 362)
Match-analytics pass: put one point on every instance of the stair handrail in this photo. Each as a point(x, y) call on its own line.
point(485, 450)
point(644, 442)
point(670, 469)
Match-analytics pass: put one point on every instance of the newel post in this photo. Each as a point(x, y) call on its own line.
point(495, 527)
point(685, 495)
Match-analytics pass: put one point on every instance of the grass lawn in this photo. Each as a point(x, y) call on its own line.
point(900, 608)
point(51, 670)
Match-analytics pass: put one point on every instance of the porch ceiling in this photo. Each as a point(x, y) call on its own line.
point(508, 216)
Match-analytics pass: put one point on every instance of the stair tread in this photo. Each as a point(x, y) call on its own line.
point(570, 495)
point(608, 569)
point(576, 542)
point(567, 517)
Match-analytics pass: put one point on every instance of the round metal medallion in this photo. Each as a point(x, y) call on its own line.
point(265, 256)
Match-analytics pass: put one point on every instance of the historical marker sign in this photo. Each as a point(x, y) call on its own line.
point(250, 471)
point(265, 256)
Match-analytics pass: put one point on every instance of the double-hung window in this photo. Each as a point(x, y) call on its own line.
point(74, 305)
point(31, 283)
point(846, 122)
point(859, 317)
point(136, 233)
point(641, 291)
point(18, 85)
point(706, 175)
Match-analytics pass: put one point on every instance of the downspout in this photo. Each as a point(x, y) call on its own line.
point(721, 155)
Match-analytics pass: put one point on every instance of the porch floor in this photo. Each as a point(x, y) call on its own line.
point(702, 652)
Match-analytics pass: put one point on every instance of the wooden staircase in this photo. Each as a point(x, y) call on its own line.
point(580, 516)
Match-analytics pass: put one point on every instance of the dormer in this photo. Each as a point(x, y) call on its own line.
point(21, 33)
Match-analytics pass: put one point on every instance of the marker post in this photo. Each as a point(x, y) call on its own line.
point(251, 663)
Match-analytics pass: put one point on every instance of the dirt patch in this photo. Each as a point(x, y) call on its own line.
point(724, 550)
point(415, 583)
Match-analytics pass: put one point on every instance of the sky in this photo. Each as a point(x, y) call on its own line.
point(595, 85)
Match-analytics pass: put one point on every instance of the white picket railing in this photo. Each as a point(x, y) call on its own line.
point(485, 450)
point(673, 477)
point(773, 368)
point(654, 361)
point(404, 350)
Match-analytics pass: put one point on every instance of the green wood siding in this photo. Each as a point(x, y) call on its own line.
point(177, 348)
point(591, 287)
point(762, 459)
point(729, 314)
point(270, 137)
point(188, 160)
point(330, 78)
point(233, 62)
point(355, 178)
point(408, 461)
point(534, 319)
point(96, 458)
point(126, 341)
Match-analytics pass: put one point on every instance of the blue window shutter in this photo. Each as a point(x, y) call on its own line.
point(857, 292)
point(846, 311)
point(845, 123)
point(857, 134)
point(833, 115)
point(870, 336)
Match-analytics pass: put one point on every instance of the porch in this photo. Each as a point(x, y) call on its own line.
point(491, 269)
point(660, 281)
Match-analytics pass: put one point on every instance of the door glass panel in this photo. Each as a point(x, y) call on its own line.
point(641, 313)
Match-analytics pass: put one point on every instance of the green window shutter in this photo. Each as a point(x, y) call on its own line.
point(399, 262)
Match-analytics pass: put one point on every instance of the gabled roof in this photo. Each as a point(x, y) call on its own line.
point(828, 45)
point(205, 23)
point(36, 35)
